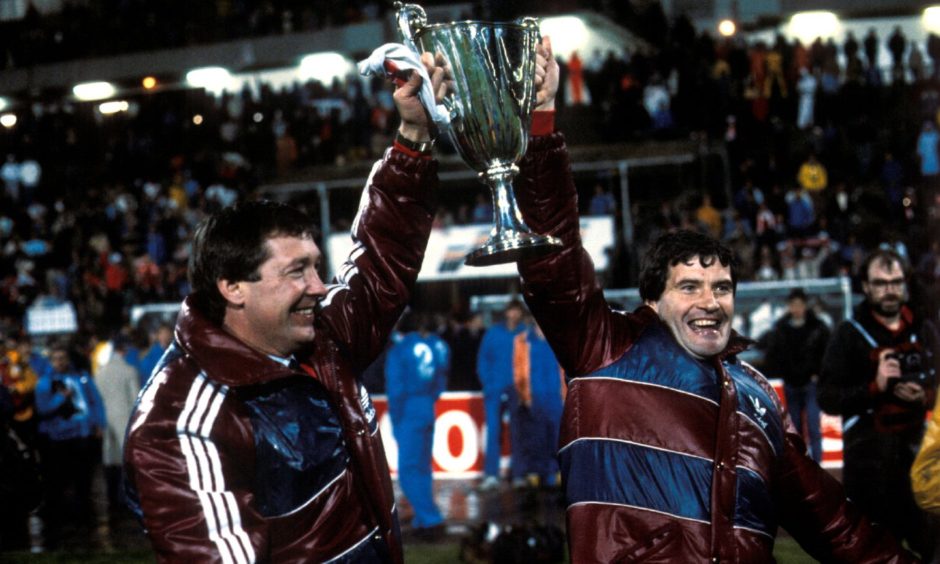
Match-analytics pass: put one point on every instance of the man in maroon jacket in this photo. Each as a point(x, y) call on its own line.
point(672, 448)
point(255, 441)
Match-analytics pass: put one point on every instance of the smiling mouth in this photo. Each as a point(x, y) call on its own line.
point(304, 311)
point(704, 325)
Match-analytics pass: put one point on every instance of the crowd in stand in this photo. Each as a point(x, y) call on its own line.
point(128, 26)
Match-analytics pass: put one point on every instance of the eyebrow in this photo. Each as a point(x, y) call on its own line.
point(300, 261)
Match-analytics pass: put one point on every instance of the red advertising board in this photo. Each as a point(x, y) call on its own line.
point(460, 430)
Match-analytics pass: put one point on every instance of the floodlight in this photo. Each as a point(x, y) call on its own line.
point(807, 26)
point(213, 79)
point(324, 67)
point(727, 28)
point(931, 19)
point(568, 33)
point(113, 107)
point(8, 120)
point(88, 91)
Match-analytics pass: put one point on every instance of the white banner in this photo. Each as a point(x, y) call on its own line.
point(448, 247)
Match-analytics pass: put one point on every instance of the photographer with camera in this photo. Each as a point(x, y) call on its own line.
point(879, 374)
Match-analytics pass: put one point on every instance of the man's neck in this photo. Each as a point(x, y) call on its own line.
point(892, 322)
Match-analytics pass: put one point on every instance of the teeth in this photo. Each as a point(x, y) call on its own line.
point(704, 323)
point(305, 311)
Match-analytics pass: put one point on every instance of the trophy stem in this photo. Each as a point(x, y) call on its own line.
point(510, 239)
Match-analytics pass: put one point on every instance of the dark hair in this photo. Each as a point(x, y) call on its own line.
point(884, 257)
point(797, 294)
point(231, 245)
point(681, 246)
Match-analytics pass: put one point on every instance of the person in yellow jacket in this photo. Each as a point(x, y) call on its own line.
point(20, 380)
point(925, 472)
point(812, 175)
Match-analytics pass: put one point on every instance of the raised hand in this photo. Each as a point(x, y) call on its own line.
point(546, 75)
point(415, 124)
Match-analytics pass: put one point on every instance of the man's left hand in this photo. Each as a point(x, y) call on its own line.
point(910, 391)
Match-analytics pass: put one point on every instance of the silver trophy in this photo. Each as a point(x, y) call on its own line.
point(490, 106)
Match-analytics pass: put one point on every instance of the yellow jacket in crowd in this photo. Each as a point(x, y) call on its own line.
point(925, 473)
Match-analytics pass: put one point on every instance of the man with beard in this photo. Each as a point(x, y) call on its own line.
point(878, 373)
point(672, 448)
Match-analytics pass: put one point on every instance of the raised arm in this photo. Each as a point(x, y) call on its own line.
point(390, 233)
point(561, 289)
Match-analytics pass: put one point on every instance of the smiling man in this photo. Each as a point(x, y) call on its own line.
point(255, 441)
point(672, 449)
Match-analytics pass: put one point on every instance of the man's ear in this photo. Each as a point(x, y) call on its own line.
point(233, 292)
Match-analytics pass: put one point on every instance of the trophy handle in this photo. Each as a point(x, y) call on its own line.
point(528, 22)
point(411, 18)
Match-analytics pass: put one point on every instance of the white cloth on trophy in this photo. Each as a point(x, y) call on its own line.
point(393, 58)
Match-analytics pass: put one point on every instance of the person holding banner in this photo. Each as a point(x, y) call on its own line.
point(672, 448)
point(254, 440)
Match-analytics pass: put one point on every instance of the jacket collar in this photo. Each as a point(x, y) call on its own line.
point(221, 356)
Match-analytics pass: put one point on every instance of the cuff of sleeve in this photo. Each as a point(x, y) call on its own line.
point(543, 122)
point(410, 152)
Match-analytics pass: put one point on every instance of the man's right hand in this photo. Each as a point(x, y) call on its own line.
point(415, 124)
point(888, 367)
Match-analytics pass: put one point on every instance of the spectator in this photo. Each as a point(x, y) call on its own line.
point(71, 424)
point(807, 103)
point(118, 383)
point(897, 45)
point(160, 339)
point(20, 488)
point(812, 176)
point(799, 330)
point(494, 368)
point(602, 202)
point(929, 159)
point(709, 216)
point(883, 409)
point(463, 335)
point(19, 378)
point(415, 375)
point(540, 386)
point(801, 213)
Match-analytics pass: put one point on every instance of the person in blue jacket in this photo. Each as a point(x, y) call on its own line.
point(160, 340)
point(415, 375)
point(494, 368)
point(71, 422)
point(540, 387)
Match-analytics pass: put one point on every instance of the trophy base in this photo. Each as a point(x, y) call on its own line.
point(513, 248)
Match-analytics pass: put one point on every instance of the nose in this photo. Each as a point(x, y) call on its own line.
point(708, 301)
point(315, 286)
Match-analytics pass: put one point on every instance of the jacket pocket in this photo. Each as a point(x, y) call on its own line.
point(654, 544)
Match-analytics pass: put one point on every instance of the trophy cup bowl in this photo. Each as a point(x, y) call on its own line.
point(490, 105)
